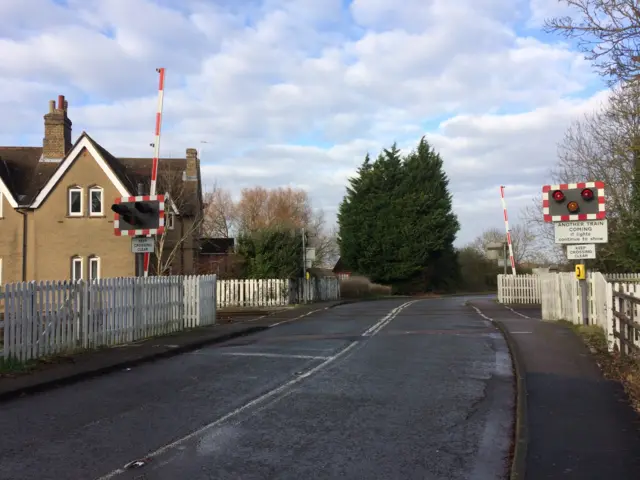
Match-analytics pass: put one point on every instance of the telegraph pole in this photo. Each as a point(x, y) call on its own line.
point(304, 255)
point(139, 257)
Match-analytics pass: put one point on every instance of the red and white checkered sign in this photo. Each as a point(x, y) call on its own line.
point(599, 197)
point(140, 198)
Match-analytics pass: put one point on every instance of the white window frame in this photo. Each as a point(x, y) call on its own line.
point(94, 260)
point(69, 203)
point(74, 261)
point(170, 218)
point(100, 190)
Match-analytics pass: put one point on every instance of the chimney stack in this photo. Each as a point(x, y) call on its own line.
point(57, 131)
point(193, 165)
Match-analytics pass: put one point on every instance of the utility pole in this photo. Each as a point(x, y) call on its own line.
point(304, 255)
point(140, 256)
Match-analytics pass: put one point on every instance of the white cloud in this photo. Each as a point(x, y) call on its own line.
point(296, 92)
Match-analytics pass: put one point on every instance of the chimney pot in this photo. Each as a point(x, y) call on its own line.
point(52, 106)
point(60, 102)
point(66, 105)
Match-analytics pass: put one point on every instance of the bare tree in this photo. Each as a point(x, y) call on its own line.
point(287, 208)
point(603, 145)
point(544, 249)
point(220, 214)
point(522, 240)
point(607, 32)
point(184, 219)
point(325, 242)
point(261, 208)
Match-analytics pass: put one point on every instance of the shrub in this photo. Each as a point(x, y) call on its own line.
point(361, 287)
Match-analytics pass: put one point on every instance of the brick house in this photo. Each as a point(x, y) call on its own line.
point(340, 270)
point(55, 207)
point(217, 256)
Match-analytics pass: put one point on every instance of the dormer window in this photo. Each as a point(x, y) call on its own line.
point(75, 202)
point(96, 203)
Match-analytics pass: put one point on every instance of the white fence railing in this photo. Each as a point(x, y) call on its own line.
point(519, 288)
point(613, 302)
point(47, 318)
point(275, 292)
point(623, 326)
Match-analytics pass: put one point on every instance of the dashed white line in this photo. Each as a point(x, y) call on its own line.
point(281, 391)
point(274, 355)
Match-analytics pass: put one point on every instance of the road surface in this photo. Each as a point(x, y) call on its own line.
point(385, 390)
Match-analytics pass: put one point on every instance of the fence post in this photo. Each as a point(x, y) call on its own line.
point(84, 313)
point(610, 325)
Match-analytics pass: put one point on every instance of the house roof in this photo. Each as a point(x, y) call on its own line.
point(23, 173)
point(340, 267)
point(216, 246)
point(29, 181)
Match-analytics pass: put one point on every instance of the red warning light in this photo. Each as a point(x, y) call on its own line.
point(587, 194)
point(558, 196)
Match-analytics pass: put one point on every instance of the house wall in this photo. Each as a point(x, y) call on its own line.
point(11, 226)
point(55, 237)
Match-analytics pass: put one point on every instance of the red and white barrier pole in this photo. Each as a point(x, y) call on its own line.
point(156, 152)
point(506, 226)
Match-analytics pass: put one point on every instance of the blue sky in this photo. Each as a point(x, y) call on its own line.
point(296, 92)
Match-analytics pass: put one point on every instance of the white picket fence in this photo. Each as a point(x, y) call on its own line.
point(611, 302)
point(623, 327)
point(275, 292)
point(516, 289)
point(48, 318)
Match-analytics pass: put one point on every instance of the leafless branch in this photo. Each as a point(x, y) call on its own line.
point(607, 31)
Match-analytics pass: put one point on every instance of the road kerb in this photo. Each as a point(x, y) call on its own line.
point(521, 433)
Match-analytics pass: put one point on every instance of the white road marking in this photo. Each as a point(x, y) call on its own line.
point(273, 355)
point(281, 390)
point(386, 320)
point(298, 318)
point(517, 313)
point(479, 312)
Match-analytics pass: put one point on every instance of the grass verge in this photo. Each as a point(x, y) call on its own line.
point(624, 369)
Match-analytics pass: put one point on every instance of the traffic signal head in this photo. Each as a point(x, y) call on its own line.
point(577, 201)
point(143, 215)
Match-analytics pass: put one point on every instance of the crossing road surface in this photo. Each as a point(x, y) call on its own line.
point(385, 390)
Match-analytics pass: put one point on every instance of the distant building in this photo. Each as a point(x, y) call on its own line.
point(55, 200)
point(217, 256)
point(340, 270)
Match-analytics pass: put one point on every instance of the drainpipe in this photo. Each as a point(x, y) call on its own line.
point(182, 246)
point(24, 242)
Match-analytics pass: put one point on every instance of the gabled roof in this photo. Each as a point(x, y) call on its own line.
point(83, 142)
point(27, 181)
point(216, 246)
point(340, 266)
point(21, 173)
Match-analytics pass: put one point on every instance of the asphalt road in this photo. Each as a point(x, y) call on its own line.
point(382, 390)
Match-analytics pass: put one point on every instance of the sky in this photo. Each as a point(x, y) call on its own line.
point(296, 92)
